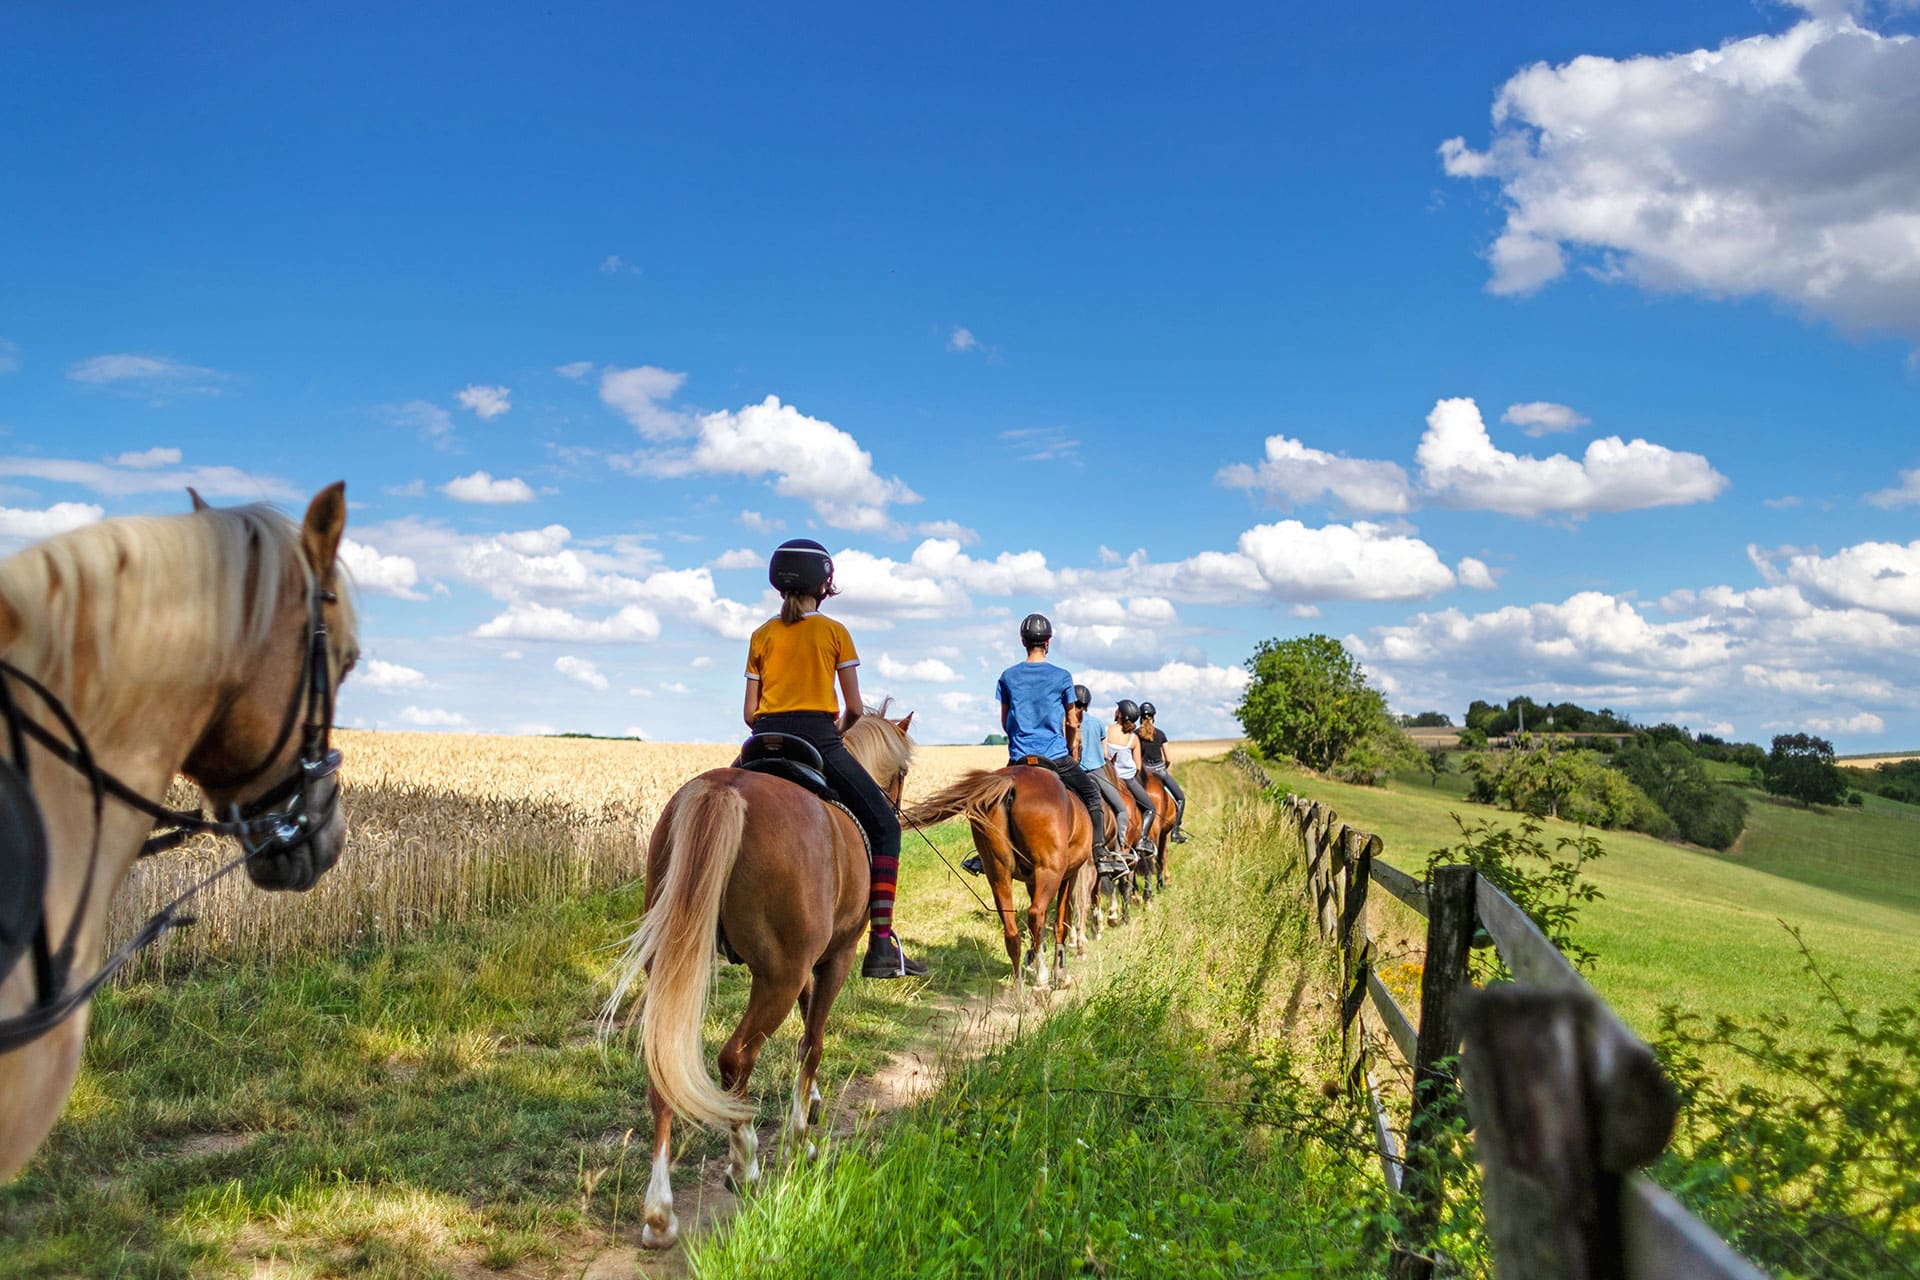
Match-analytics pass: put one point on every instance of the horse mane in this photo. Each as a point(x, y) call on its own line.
point(181, 601)
point(881, 749)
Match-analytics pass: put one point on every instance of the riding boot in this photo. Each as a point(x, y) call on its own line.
point(885, 959)
point(973, 864)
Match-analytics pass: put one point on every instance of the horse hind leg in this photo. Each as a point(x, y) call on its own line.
point(660, 1227)
point(816, 1004)
point(767, 1006)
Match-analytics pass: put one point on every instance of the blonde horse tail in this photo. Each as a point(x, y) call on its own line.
point(674, 946)
point(979, 797)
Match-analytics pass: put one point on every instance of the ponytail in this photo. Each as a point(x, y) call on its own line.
point(794, 607)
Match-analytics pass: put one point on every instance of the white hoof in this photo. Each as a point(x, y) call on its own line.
point(660, 1235)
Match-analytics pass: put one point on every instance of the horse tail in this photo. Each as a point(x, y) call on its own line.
point(674, 945)
point(976, 792)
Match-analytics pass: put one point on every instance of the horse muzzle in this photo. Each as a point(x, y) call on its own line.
point(292, 846)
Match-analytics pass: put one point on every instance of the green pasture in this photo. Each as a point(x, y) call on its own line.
point(1703, 931)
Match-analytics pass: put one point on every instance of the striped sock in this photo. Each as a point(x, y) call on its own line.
point(886, 873)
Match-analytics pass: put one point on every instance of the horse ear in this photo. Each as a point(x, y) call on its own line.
point(199, 503)
point(320, 533)
point(901, 725)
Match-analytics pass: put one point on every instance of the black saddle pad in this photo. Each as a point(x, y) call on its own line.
point(23, 867)
point(782, 755)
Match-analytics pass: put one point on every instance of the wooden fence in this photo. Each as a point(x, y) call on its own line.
point(1565, 1102)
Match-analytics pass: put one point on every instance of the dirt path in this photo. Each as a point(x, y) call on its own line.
point(962, 1031)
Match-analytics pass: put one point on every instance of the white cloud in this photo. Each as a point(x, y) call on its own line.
point(383, 575)
point(927, 670)
point(23, 525)
point(1474, 573)
point(738, 558)
point(878, 591)
point(1862, 722)
point(1776, 165)
point(580, 671)
point(1882, 577)
point(1291, 561)
point(153, 376)
point(1194, 699)
point(1042, 444)
point(149, 458)
point(1460, 467)
point(375, 674)
point(529, 621)
point(947, 529)
point(1009, 573)
point(1905, 494)
point(759, 523)
point(962, 340)
point(615, 265)
point(488, 402)
point(702, 662)
point(961, 703)
point(434, 424)
point(1543, 417)
point(690, 594)
point(481, 487)
point(809, 459)
point(639, 395)
point(574, 370)
point(117, 480)
point(9, 357)
point(676, 686)
point(1099, 609)
point(1293, 472)
point(431, 718)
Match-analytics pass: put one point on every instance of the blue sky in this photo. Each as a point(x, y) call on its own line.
point(1556, 350)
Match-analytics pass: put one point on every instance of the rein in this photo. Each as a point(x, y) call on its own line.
point(275, 822)
point(906, 821)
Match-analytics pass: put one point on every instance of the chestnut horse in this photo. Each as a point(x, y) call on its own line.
point(130, 651)
point(1150, 872)
point(1026, 826)
point(783, 875)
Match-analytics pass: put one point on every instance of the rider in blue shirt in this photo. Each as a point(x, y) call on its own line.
point(1090, 730)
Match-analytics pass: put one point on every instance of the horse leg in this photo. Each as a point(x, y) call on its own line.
point(661, 1228)
point(1060, 926)
point(767, 1006)
point(1046, 883)
point(828, 977)
point(1009, 925)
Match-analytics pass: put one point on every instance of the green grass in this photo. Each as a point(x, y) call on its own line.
point(1702, 931)
point(1169, 1123)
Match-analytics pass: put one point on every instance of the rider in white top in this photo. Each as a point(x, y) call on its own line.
point(1123, 748)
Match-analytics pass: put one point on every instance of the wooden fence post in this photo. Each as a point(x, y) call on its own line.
point(1356, 950)
point(1450, 926)
point(1566, 1103)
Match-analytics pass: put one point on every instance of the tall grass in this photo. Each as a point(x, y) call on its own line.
point(1181, 1120)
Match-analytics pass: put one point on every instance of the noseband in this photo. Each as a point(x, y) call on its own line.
point(275, 824)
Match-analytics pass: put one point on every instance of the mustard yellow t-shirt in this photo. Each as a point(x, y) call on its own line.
point(797, 665)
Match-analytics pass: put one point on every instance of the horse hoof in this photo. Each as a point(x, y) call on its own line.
point(660, 1238)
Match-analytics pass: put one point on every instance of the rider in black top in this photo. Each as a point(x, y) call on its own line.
point(1153, 754)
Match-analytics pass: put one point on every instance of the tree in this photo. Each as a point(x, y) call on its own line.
point(1427, 720)
point(1310, 701)
point(1801, 767)
point(1703, 811)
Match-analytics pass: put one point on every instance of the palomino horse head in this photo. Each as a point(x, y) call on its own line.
point(883, 748)
point(264, 753)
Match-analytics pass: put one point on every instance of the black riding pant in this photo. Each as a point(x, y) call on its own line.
point(1081, 785)
point(1138, 786)
point(1165, 775)
point(859, 792)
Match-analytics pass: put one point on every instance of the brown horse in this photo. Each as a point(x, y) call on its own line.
point(1026, 826)
point(783, 876)
point(1149, 873)
point(130, 651)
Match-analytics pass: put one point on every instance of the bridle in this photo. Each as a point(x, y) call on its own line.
point(275, 824)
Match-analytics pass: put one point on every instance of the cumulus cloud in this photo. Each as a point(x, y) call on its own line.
point(879, 591)
point(640, 394)
point(1194, 699)
point(1294, 473)
point(375, 674)
point(1881, 577)
point(808, 458)
point(1777, 165)
point(1862, 722)
point(431, 718)
point(481, 487)
point(960, 533)
point(148, 458)
point(927, 670)
point(531, 621)
point(117, 479)
point(1543, 417)
point(1904, 494)
point(738, 558)
point(1009, 573)
point(488, 402)
point(580, 671)
point(962, 340)
point(1461, 467)
point(759, 523)
point(18, 524)
point(432, 423)
point(574, 370)
point(1474, 573)
point(383, 575)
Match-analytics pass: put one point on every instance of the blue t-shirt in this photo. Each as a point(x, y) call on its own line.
point(1035, 695)
point(1092, 730)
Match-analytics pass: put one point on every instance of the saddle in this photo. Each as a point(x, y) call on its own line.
point(782, 755)
point(23, 867)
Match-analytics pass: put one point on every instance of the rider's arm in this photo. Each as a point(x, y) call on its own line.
point(851, 706)
point(752, 707)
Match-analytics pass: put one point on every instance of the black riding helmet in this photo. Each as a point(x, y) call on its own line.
point(801, 567)
point(1146, 711)
point(1082, 696)
point(1035, 630)
point(1128, 711)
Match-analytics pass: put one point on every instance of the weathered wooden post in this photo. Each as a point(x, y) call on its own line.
point(1450, 926)
point(1566, 1103)
point(1356, 950)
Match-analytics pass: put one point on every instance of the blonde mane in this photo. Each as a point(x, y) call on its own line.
point(115, 614)
point(881, 749)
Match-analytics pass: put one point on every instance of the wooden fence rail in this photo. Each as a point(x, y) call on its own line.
point(1565, 1102)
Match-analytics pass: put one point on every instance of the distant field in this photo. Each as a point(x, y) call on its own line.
point(1873, 762)
point(1700, 930)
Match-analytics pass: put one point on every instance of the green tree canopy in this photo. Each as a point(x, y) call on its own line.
point(1310, 701)
point(1801, 767)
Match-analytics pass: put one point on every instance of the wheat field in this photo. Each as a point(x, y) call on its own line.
point(444, 828)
